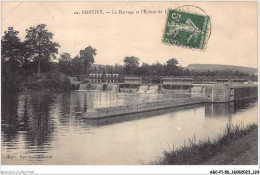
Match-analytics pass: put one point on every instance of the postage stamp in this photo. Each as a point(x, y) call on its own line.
point(186, 29)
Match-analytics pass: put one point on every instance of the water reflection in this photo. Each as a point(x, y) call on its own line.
point(36, 125)
point(219, 109)
point(244, 104)
point(9, 118)
point(28, 116)
point(65, 108)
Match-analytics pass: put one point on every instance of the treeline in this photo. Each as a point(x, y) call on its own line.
point(33, 54)
point(30, 63)
point(75, 66)
point(22, 58)
point(37, 52)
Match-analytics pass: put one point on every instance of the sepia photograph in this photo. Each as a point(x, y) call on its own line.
point(130, 83)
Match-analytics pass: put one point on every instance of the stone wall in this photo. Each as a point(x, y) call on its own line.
point(222, 93)
point(219, 93)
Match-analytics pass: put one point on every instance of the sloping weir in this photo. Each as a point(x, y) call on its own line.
point(148, 89)
point(207, 94)
point(143, 107)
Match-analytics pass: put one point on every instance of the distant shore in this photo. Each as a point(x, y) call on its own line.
point(235, 146)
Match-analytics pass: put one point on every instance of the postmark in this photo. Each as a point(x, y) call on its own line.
point(186, 28)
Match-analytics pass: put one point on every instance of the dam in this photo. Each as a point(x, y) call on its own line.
point(200, 90)
point(211, 94)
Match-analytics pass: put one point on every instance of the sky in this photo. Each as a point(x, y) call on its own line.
point(233, 39)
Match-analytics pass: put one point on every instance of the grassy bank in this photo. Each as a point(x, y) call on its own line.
point(236, 145)
point(53, 81)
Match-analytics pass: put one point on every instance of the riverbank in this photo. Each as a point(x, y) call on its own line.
point(49, 82)
point(234, 146)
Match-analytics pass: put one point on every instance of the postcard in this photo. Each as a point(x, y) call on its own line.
point(130, 83)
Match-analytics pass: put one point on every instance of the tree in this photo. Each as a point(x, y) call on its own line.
point(41, 47)
point(172, 62)
point(12, 50)
point(118, 68)
point(88, 57)
point(172, 67)
point(77, 66)
point(64, 64)
point(157, 69)
point(131, 64)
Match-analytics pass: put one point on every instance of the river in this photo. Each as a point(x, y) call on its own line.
point(48, 128)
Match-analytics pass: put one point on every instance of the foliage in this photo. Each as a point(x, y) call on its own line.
point(64, 64)
point(13, 56)
point(48, 81)
point(21, 59)
point(12, 50)
point(10, 83)
point(78, 67)
point(80, 64)
point(87, 55)
point(131, 64)
point(172, 67)
point(41, 47)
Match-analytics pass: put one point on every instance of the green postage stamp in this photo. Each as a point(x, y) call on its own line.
point(186, 29)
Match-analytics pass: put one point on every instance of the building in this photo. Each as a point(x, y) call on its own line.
point(95, 78)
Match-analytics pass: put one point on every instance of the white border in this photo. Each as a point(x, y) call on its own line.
point(147, 169)
point(140, 169)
